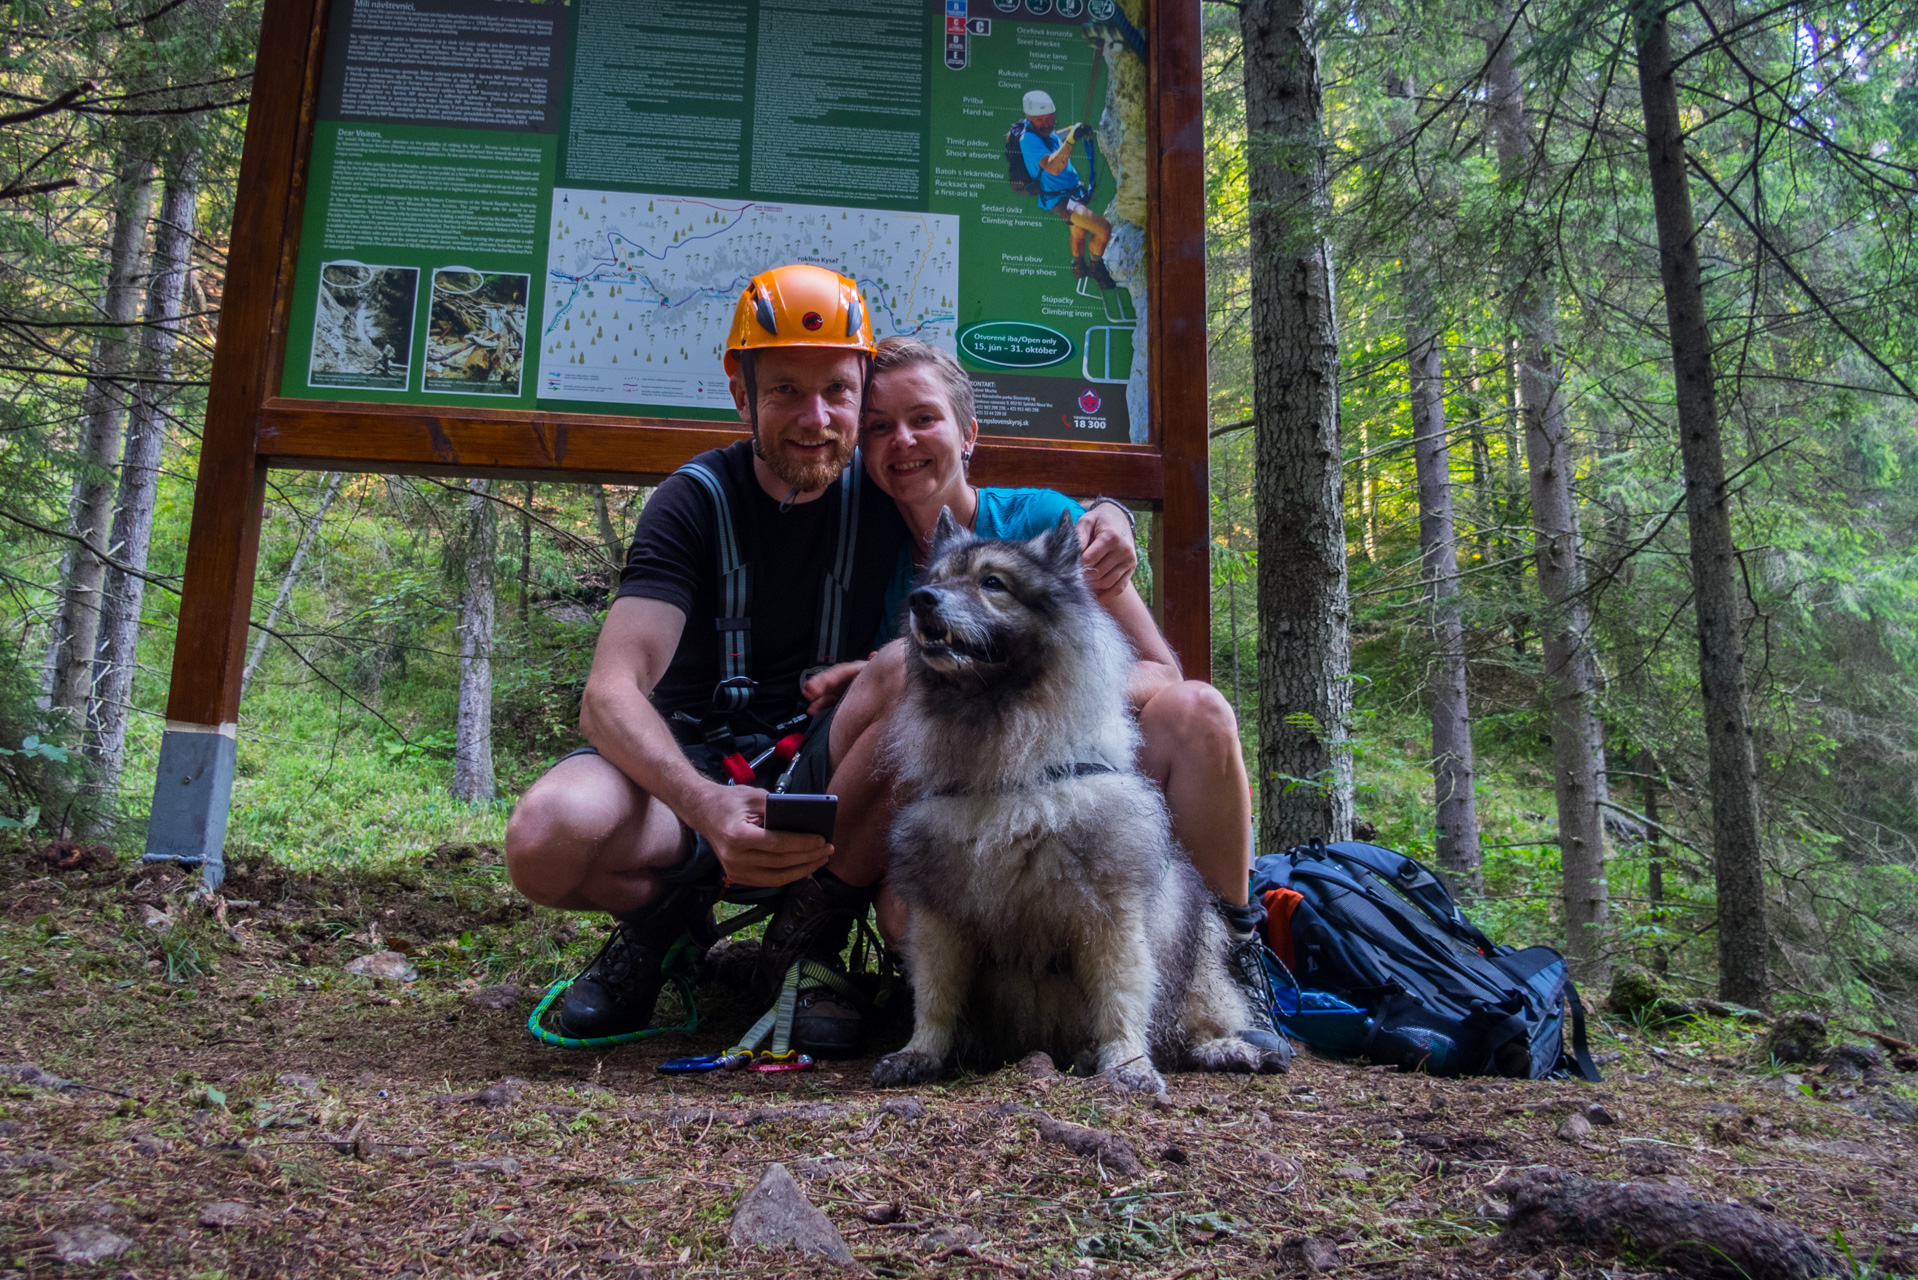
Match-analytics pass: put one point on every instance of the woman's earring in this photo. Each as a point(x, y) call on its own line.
point(965, 459)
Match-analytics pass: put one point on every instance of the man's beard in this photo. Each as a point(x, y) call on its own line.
point(807, 473)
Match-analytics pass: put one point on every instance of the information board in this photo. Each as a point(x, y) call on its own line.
point(554, 207)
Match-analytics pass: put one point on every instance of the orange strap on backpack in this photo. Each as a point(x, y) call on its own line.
point(1279, 906)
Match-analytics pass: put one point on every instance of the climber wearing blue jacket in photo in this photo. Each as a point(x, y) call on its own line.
point(1048, 156)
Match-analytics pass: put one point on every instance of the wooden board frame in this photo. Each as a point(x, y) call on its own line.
point(250, 427)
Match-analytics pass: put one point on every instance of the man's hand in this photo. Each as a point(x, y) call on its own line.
point(824, 688)
point(1107, 551)
point(734, 818)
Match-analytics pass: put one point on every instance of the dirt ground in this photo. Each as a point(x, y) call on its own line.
point(239, 1106)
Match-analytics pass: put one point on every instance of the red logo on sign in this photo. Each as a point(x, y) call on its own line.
point(955, 24)
point(1089, 401)
point(812, 320)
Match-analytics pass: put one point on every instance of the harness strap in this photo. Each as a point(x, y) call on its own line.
point(735, 624)
point(776, 1023)
point(834, 591)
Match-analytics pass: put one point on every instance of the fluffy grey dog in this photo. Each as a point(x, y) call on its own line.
point(1050, 908)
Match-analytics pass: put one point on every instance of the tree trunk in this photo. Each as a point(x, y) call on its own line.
point(608, 536)
point(1654, 859)
point(103, 414)
point(1736, 841)
point(1305, 694)
point(525, 551)
point(118, 645)
point(1571, 674)
point(1232, 622)
point(473, 747)
point(330, 488)
point(1458, 849)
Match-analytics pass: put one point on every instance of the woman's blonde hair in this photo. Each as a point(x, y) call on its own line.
point(904, 353)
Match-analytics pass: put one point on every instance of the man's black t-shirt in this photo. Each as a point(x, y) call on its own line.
point(673, 558)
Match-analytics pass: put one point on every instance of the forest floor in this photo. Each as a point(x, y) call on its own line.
point(237, 1106)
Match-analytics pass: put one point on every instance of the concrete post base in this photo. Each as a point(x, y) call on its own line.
point(191, 792)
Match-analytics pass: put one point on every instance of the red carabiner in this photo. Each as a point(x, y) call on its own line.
point(737, 768)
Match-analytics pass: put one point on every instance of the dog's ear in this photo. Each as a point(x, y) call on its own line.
point(946, 534)
point(1059, 546)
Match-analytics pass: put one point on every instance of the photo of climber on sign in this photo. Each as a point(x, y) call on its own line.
point(1039, 163)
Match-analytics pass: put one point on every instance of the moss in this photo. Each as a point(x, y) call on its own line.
point(1636, 991)
point(1796, 1037)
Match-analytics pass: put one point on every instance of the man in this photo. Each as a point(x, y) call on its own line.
point(1048, 157)
point(752, 569)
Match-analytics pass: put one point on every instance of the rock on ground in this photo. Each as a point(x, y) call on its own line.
point(222, 1214)
point(776, 1214)
point(88, 1245)
point(388, 966)
point(1694, 1237)
point(28, 1074)
point(503, 996)
point(1575, 1128)
point(1303, 1253)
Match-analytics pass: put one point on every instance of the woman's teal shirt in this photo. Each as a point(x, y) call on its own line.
point(1007, 514)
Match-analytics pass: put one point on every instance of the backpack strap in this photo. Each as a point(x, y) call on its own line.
point(1581, 1049)
point(1416, 881)
point(735, 624)
point(837, 587)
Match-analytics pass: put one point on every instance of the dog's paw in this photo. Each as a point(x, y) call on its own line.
point(1227, 1053)
point(905, 1067)
point(1132, 1077)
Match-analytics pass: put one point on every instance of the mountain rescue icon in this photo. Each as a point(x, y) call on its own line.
point(1089, 401)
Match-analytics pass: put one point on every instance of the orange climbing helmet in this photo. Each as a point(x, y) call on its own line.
point(799, 305)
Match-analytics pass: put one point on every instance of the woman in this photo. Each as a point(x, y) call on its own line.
point(917, 439)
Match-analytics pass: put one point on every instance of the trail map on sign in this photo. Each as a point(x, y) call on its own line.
point(640, 289)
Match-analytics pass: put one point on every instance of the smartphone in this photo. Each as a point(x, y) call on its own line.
point(808, 815)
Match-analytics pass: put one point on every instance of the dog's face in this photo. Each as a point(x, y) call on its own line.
point(990, 613)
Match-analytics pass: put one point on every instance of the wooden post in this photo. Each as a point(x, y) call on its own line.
point(194, 781)
point(1175, 238)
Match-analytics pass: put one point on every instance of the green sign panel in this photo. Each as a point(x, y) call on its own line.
point(555, 206)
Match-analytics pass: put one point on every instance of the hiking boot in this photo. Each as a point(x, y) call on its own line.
point(812, 925)
point(1079, 269)
point(827, 1022)
point(1245, 962)
point(1096, 268)
point(616, 993)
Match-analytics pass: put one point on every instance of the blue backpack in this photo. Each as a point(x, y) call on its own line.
point(1370, 957)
